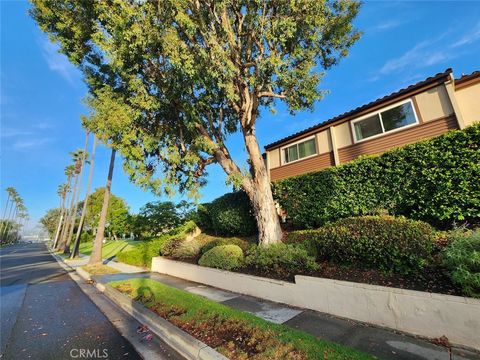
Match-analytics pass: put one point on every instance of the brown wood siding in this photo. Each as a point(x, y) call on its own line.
point(399, 138)
point(313, 163)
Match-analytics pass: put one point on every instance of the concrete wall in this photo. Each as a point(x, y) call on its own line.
point(420, 313)
point(468, 99)
point(434, 103)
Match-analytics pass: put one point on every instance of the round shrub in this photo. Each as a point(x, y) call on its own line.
point(226, 257)
point(383, 242)
point(187, 250)
point(462, 258)
point(281, 260)
point(243, 244)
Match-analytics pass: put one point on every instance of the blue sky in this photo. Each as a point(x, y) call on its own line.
point(41, 93)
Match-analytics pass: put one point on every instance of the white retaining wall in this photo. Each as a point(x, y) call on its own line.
point(416, 312)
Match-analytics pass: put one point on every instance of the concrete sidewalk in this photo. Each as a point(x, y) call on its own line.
point(380, 342)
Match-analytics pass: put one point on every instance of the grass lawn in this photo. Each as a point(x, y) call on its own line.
point(110, 248)
point(236, 334)
point(99, 269)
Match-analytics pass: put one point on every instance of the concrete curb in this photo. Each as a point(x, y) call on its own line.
point(184, 343)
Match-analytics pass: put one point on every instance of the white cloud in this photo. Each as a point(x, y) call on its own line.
point(430, 52)
point(58, 62)
point(28, 144)
point(469, 37)
point(7, 133)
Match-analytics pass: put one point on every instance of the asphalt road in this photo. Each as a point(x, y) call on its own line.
point(45, 315)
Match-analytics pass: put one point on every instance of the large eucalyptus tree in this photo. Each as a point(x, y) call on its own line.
point(170, 80)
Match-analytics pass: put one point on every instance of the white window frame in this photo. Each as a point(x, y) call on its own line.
point(378, 112)
point(282, 153)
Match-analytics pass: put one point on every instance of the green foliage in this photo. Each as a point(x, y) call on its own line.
point(142, 254)
point(50, 221)
point(434, 180)
point(167, 90)
point(230, 214)
point(117, 214)
point(462, 258)
point(382, 242)
point(243, 244)
point(86, 237)
point(281, 260)
point(158, 217)
point(170, 245)
point(226, 257)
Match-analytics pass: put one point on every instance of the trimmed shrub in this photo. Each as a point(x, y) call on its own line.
point(230, 215)
point(243, 244)
point(187, 249)
point(226, 257)
point(434, 180)
point(462, 258)
point(382, 242)
point(281, 260)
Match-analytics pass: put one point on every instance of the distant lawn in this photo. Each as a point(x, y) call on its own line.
point(236, 334)
point(110, 248)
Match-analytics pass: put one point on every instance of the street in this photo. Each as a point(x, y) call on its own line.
point(45, 315)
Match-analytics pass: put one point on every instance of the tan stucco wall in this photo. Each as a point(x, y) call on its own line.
point(324, 142)
point(273, 158)
point(434, 103)
point(468, 99)
point(342, 135)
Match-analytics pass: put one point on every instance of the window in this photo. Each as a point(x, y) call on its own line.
point(384, 121)
point(299, 151)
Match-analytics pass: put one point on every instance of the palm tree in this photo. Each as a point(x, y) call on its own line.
point(77, 164)
point(13, 205)
point(10, 191)
point(62, 193)
point(96, 256)
point(85, 202)
point(82, 156)
point(69, 172)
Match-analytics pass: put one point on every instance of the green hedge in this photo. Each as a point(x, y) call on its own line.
point(436, 180)
point(280, 260)
point(462, 258)
point(381, 242)
point(230, 215)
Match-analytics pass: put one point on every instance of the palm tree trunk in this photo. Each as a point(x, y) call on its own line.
point(85, 202)
point(74, 216)
point(10, 221)
point(7, 222)
point(96, 256)
point(64, 218)
point(69, 214)
point(62, 213)
point(5, 213)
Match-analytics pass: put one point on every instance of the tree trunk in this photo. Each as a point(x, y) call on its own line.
point(63, 240)
point(260, 194)
point(65, 214)
point(76, 245)
point(78, 191)
point(7, 222)
point(62, 213)
point(96, 256)
point(5, 213)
